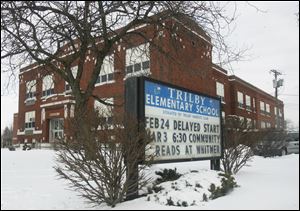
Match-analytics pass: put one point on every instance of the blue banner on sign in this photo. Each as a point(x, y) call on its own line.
point(162, 96)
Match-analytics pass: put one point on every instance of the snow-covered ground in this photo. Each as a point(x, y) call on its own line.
point(28, 181)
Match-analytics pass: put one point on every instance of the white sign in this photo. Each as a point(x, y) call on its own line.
point(186, 125)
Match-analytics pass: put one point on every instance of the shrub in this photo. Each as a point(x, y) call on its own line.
point(204, 197)
point(156, 189)
point(184, 204)
point(170, 202)
point(227, 185)
point(167, 175)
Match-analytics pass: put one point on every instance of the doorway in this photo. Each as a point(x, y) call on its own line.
point(56, 129)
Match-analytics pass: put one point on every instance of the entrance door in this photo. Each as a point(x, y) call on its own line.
point(56, 129)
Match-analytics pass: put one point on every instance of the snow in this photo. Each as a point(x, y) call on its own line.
point(28, 181)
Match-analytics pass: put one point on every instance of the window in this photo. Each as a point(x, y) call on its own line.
point(30, 120)
point(220, 90)
point(248, 103)
point(249, 122)
point(107, 71)
point(268, 109)
point(262, 107)
point(254, 123)
point(268, 125)
point(262, 124)
point(48, 85)
point(30, 89)
point(74, 71)
point(254, 104)
point(138, 60)
point(242, 120)
point(280, 112)
point(240, 97)
point(104, 110)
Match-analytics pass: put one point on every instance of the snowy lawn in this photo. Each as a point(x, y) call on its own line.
point(28, 181)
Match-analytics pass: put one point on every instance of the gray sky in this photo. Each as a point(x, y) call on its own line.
point(273, 36)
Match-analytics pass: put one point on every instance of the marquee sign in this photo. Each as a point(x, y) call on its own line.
point(186, 125)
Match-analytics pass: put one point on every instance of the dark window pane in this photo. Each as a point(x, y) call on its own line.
point(129, 69)
point(103, 78)
point(137, 67)
point(109, 120)
point(146, 65)
point(67, 87)
point(33, 124)
point(98, 79)
point(110, 76)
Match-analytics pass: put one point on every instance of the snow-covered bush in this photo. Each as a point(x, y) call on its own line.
point(227, 186)
point(167, 175)
point(103, 165)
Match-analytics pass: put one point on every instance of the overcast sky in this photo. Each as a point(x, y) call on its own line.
point(273, 36)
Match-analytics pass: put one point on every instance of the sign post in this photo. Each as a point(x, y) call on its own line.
point(186, 125)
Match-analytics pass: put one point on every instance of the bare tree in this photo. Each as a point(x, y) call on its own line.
point(56, 35)
point(238, 139)
point(38, 31)
point(100, 165)
point(6, 137)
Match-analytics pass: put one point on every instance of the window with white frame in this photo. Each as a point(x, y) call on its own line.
point(74, 71)
point(30, 89)
point(268, 125)
point(220, 91)
point(268, 109)
point(240, 98)
point(106, 74)
point(30, 120)
point(249, 122)
point(105, 111)
point(242, 119)
point(280, 112)
point(262, 107)
point(254, 123)
point(48, 85)
point(138, 60)
point(262, 124)
point(254, 104)
point(248, 103)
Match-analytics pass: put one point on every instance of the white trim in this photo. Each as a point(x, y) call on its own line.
point(30, 99)
point(44, 98)
point(34, 132)
point(137, 27)
point(20, 133)
point(192, 31)
point(34, 67)
point(57, 103)
point(37, 132)
point(220, 71)
point(103, 83)
point(145, 72)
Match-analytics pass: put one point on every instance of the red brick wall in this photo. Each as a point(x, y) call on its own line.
point(184, 59)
